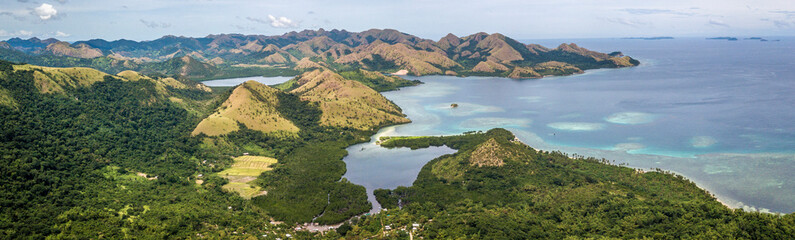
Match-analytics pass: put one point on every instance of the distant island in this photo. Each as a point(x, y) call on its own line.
point(723, 38)
point(649, 38)
point(386, 51)
point(761, 39)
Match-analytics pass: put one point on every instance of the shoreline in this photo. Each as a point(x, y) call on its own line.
point(638, 160)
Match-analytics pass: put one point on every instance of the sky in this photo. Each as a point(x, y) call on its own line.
point(72, 20)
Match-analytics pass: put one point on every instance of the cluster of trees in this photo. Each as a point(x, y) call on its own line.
point(551, 195)
point(104, 64)
point(379, 84)
point(116, 160)
point(70, 165)
point(306, 184)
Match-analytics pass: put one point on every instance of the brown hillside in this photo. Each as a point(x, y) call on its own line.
point(347, 103)
point(523, 72)
point(498, 49)
point(449, 41)
point(305, 63)
point(489, 154)
point(252, 104)
point(313, 47)
point(80, 51)
point(489, 66)
point(415, 61)
point(53, 80)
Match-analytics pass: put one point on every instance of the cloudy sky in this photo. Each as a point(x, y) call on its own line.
point(520, 19)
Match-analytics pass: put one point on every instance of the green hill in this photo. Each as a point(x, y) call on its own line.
point(252, 104)
point(105, 157)
point(346, 103)
point(497, 187)
point(184, 66)
point(85, 155)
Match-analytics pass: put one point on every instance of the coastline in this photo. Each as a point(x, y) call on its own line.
point(650, 161)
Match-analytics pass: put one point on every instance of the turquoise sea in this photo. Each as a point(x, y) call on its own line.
point(721, 113)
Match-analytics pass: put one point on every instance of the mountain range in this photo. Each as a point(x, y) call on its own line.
point(93, 153)
point(387, 50)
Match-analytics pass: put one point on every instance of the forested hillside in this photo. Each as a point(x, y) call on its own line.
point(495, 187)
point(87, 155)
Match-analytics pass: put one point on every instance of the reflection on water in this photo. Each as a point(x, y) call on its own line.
point(630, 118)
point(576, 126)
point(703, 109)
point(375, 167)
point(231, 82)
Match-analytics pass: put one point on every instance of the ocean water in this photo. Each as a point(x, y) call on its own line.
point(721, 113)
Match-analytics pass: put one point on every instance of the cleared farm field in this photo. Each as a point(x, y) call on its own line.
point(250, 166)
point(244, 170)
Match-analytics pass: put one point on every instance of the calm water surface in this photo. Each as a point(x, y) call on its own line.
point(231, 82)
point(718, 112)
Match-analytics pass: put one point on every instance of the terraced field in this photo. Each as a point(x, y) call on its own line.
point(244, 170)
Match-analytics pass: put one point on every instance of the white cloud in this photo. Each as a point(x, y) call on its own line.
point(652, 11)
point(282, 22)
point(62, 34)
point(153, 24)
point(257, 20)
point(45, 11)
point(718, 23)
point(629, 22)
point(20, 33)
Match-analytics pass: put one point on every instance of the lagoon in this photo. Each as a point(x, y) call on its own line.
point(231, 82)
point(719, 113)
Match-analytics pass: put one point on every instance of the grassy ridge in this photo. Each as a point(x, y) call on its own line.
point(252, 104)
point(378, 81)
point(68, 161)
point(346, 103)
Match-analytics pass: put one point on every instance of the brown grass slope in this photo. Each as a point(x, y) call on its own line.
point(417, 62)
point(489, 154)
point(493, 152)
point(6, 99)
point(163, 84)
point(305, 63)
point(312, 47)
point(54, 80)
point(79, 51)
point(489, 66)
point(620, 61)
point(347, 103)
point(252, 104)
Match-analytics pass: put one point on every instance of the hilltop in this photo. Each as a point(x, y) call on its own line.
point(345, 103)
point(252, 104)
point(386, 50)
point(157, 149)
point(496, 187)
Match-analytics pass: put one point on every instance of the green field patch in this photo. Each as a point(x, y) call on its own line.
point(249, 166)
point(244, 170)
point(244, 189)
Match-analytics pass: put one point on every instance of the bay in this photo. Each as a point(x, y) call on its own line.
point(231, 82)
point(717, 112)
